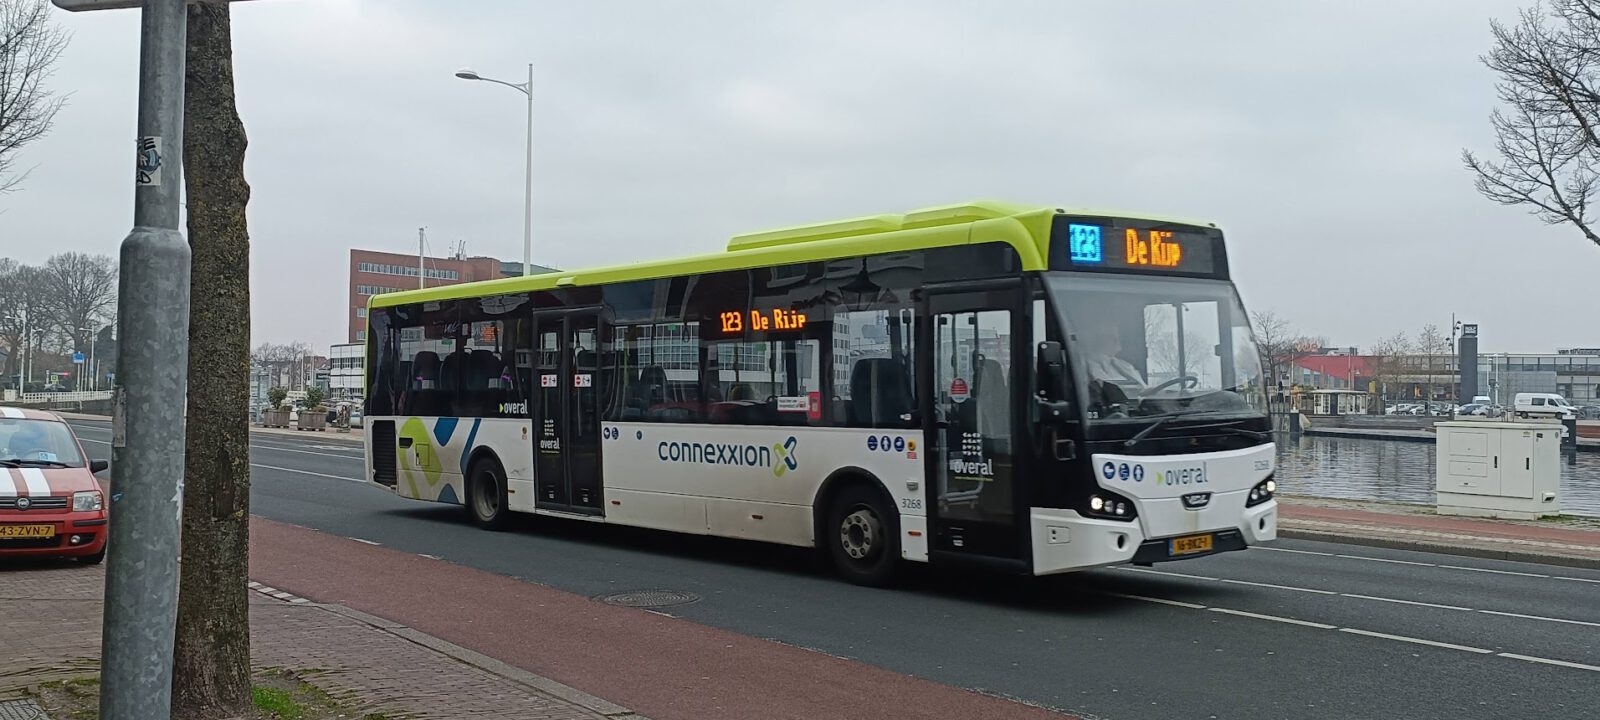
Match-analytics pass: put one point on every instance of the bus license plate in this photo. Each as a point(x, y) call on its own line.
point(1190, 545)
point(18, 532)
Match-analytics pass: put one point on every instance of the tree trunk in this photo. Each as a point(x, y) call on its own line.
point(211, 663)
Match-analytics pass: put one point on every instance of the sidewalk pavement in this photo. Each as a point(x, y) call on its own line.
point(1570, 541)
point(360, 660)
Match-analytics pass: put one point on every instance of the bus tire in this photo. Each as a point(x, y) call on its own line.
point(486, 495)
point(863, 537)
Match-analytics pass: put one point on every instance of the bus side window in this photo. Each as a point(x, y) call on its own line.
point(874, 388)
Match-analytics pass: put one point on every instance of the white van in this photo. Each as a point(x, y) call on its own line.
point(1543, 405)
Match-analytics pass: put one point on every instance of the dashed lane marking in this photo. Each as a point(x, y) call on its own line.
point(1441, 566)
point(363, 540)
point(1274, 618)
point(1419, 641)
point(1355, 596)
point(1548, 661)
point(1360, 632)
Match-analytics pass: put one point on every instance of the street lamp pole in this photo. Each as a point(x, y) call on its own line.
point(527, 182)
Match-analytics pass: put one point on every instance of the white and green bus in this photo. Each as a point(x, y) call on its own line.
point(1031, 388)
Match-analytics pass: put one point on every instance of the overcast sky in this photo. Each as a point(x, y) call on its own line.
point(1324, 140)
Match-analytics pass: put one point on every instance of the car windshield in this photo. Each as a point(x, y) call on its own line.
point(37, 442)
point(1146, 347)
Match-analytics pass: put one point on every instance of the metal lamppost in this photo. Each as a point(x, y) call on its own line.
point(527, 189)
point(94, 336)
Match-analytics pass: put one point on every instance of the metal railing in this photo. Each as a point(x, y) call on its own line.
point(63, 398)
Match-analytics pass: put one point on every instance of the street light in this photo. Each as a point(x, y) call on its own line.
point(527, 189)
point(94, 373)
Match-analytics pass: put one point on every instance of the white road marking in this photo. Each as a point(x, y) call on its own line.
point(1495, 572)
point(308, 452)
point(305, 472)
point(368, 542)
point(1163, 601)
point(1540, 617)
point(1547, 661)
point(1587, 580)
point(1357, 596)
point(1405, 602)
point(1229, 581)
point(1419, 641)
point(430, 557)
point(1387, 560)
point(1275, 618)
point(1287, 550)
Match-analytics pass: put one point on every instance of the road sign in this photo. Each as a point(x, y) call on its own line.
point(82, 5)
point(77, 358)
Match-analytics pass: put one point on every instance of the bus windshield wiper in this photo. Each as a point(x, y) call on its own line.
point(1136, 439)
point(1252, 434)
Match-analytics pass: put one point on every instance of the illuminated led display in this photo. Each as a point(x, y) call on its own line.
point(734, 321)
point(1135, 247)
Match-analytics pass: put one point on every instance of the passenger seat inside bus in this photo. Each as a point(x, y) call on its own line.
point(880, 394)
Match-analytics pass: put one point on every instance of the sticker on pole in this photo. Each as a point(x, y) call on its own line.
point(547, 381)
point(959, 391)
point(583, 380)
point(148, 166)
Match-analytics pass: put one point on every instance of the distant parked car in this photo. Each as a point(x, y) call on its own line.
point(1544, 405)
point(1474, 410)
point(1589, 412)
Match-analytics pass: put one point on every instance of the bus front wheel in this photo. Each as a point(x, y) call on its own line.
point(863, 537)
point(486, 495)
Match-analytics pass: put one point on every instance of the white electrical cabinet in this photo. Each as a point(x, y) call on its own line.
point(1498, 469)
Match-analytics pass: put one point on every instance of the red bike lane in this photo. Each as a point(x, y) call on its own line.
point(664, 668)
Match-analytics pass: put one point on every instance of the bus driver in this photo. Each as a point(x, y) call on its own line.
point(1102, 343)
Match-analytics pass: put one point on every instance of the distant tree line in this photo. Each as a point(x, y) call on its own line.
point(67, 304)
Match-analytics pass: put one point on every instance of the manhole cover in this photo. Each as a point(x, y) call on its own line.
point(649, 598)
point(21, 710)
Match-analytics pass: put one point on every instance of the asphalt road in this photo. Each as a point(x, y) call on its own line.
point(1296, 630)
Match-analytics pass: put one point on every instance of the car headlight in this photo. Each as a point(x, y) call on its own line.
point(1262, 492)
point(87, 501)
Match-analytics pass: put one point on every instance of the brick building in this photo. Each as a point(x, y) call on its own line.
point(373, 272)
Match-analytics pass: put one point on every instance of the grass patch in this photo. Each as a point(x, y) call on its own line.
point(280, 703)
point(276, 695)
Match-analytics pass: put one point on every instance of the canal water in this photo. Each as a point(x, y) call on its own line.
point(1397, 471)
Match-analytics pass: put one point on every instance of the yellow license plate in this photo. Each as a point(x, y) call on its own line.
point(18, 532)
point(1190, 545)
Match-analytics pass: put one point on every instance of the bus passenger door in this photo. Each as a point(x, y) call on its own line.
point(970, 375)
point(566, 410)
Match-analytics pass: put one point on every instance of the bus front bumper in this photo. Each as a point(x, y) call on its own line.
point(1064, 541)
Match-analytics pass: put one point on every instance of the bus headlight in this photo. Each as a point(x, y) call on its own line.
point(1110, 506)
point(1262, 492)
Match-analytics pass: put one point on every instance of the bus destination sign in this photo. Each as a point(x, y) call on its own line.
point(776, 319)
point(1162, 248)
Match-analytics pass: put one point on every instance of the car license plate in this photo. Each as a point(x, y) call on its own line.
point(19, 532)
point(1189, 545)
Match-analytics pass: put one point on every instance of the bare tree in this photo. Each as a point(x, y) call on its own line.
point(1548, 133)
point(1388, 362)
point(18, 300)
point(280, 359)
point(1432, 343)
point(30, 44)
point(78, 293)
point(211, 656)
point(1280, 345)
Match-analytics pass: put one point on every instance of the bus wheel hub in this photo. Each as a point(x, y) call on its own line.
point(858, 533)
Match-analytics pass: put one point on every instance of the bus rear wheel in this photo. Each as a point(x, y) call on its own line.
point(486, 495)
point(863, 537)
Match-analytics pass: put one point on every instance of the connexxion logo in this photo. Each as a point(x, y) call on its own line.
point(731, 454)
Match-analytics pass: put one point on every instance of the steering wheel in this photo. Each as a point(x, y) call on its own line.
point(1188, 381)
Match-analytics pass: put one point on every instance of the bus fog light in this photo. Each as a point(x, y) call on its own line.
point(1122, 508)
point(1272, 486)
point(1261, 493)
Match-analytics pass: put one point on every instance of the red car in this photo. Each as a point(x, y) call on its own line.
point(51, 504)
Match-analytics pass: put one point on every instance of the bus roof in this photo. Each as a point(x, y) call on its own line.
point(1025, 227)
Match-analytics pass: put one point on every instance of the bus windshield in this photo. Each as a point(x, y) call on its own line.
point(1145, 347)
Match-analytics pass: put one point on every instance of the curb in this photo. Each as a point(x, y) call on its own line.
point(1442, 548)
point(476, 659)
